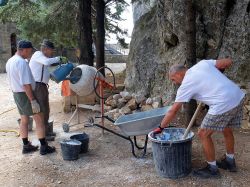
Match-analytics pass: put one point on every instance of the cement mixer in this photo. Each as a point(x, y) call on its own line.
point(84, 80)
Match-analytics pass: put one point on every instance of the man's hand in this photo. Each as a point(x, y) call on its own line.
point(158, 130)
point(35, 106)
point(63, 59)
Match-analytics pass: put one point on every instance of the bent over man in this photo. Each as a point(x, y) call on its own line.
point(205, 83)
point(22, 85)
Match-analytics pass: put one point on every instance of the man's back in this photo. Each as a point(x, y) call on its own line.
point(205, 83)
point(19, 73)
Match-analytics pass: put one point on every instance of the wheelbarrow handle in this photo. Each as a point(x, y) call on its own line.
point(192, 121)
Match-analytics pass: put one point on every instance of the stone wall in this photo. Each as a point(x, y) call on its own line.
point(5, 46)
point(157, 42)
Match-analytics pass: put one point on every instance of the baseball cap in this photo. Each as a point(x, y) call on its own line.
point(48, 44)
point(24, 44)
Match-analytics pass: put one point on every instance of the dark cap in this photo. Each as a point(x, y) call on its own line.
point(48, 44)
point(24, 44)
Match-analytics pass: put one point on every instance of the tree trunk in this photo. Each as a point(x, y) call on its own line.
point(85, 32)
point(190, 51)
point(100, 34)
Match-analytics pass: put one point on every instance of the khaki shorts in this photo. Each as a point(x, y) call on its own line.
point(230, 119)
point(23, 103)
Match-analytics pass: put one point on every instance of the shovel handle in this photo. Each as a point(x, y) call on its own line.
point(192, 121)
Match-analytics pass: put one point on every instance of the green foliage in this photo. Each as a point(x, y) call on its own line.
point(55, 19)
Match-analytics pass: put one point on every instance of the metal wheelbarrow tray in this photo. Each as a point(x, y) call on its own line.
point(137, 124)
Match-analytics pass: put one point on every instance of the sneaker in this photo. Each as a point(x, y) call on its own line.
point(29, 148)
point(46, 149)
point(227, 163)
point(207, 172)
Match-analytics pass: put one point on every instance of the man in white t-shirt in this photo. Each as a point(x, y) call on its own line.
point(22, 85)
point(39, 63)
point(205, 83)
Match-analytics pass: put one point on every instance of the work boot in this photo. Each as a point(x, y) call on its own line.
point(46, 149)
point(227, 163)
point(29, 148)
point(207, 172)
point(49, 138)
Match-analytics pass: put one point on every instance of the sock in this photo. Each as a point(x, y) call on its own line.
point(230, 156)
point(42, 141)
point(213, 164)
point(25, 141)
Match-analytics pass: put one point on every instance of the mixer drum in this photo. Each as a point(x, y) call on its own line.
point(82, 80)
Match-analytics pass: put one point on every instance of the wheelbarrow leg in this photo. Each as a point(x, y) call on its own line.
point(144, 147)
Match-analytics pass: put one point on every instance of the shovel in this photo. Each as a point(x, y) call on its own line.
point(192, 121)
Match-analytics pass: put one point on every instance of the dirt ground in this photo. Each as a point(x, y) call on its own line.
point(109, 161)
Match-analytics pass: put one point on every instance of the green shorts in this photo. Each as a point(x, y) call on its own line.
point(23, 103)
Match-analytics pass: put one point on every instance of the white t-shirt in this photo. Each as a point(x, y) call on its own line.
point(37, 61)
point(205, 83)
point(19, 74)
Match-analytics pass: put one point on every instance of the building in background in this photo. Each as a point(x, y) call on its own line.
point(7, 43)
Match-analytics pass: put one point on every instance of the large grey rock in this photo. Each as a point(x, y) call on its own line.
point(141, 7)
point(223, 29)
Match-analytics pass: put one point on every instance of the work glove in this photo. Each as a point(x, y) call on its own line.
point(63, 60)
point(35, 106)
point(158, 130)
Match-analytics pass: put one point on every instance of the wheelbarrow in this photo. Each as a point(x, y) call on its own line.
point(137, 124)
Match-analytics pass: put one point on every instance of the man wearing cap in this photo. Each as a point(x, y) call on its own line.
point(39, 63)
point(22, 85)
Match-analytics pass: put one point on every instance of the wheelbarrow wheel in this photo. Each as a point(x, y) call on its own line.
point(91, 120)
point(65, 127)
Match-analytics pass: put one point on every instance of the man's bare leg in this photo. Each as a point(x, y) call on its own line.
point(207, 144)
point(27, 147)
point(40, 131)
point(229, 140)
point(40, 128)
point(24, 126)
point(228, 162)
point(211, 170)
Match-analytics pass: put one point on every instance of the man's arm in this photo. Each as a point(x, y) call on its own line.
point(28, 91)
point(45, 60)
point(170, 114)
point(223, 63)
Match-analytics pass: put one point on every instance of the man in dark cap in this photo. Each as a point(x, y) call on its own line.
point(39, 63)
point(23, 85)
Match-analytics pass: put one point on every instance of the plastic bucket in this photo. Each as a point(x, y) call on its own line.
point(172, 159)
point(61, 72)
point(84, 139)
point(70, 149)
point(30, 124)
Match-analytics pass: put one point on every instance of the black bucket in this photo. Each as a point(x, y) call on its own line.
point(70, 149)
point(84, 139)
point(172, 159)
